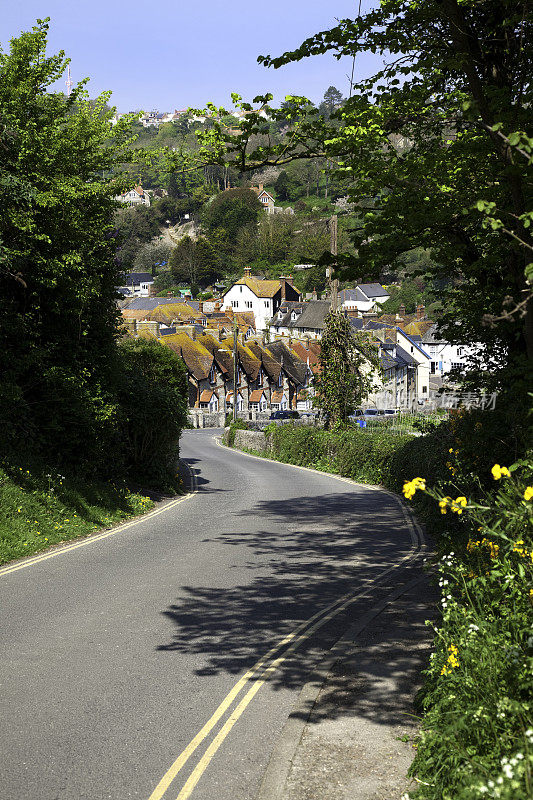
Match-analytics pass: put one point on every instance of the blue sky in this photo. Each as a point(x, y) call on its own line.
point(172, 54)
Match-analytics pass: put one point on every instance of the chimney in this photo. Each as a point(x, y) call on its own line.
point(420, 311)
point(307, 342)
point(315, 296)
point(401, 311)
point(218, 306)
point(247, 272)
point(260, 187)
point(220, 333)
point(201, 306)
point(284, 280)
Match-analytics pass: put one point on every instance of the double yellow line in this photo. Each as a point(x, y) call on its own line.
point(260, 673)
point(30, 562)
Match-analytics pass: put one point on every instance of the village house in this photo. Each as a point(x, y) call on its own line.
point(136, 284)
point(258, 296)
point(365, 297)
point(134, 197)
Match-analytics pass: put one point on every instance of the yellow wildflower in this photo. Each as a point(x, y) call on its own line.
point(452, 661)
point(498, 472)
point(443, 504)
point(458, 504)
point(528, 494)
point(410, 487)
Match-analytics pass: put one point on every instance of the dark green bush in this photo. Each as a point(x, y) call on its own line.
point(153, 402)
point(238, 425)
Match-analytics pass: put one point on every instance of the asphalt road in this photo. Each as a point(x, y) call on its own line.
point(114, 655)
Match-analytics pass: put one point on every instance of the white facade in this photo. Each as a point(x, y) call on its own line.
point(241, 298)
point(134, 198)
point(444, 356)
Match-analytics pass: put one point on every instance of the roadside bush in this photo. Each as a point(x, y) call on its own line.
point(153, 400)
point(351, 453)
point(477, 734)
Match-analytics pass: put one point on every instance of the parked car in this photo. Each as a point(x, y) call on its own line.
point(389, 412)
point(285, 415)
point(371, 412)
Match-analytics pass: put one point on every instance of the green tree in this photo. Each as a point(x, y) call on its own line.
point(230, 211)
point(436, 147)
point(152, 256)
point(347, 366)
point(57, 269)
point(134, 227)
point(194, 262)
point(153, 402)
point(332, 100)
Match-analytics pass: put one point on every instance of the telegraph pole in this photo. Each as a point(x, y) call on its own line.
point(333, 284)
point(69, 82)
point(235, 372)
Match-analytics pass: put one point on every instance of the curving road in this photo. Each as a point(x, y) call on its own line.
point(161, 662)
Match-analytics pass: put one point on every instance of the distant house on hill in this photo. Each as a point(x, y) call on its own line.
point(135, 197)
point(268, 202)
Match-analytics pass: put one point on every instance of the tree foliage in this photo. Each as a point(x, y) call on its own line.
point(60, 367)
point(347, 363)
point(437, 150)
point(194, 262)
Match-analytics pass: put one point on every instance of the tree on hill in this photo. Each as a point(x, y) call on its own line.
point(194, 262)
point(332, 100)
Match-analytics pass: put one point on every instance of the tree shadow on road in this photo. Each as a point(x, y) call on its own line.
point(307, 553)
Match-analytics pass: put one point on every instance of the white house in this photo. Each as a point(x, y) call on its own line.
point(136, 284)
point(261, 297)
point(445, 356)
point(135, 197)
point(365, 297)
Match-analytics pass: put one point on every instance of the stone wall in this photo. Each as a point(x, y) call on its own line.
point(250, 440)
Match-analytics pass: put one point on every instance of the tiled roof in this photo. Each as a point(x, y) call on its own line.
point(247, 359)
point(308, 355)
point(277, 396)
point(256, 395)
point(172, 311)
point(197, 358)
point(259, 287)
point(131, 278)
point(223, 356)
point(352, 295)
point(271, 366)
point(149, 303)
point(206, 395)
point(294, 368)
point(314, 314)
point(373, 289)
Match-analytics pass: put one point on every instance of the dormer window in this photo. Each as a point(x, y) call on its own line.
point(280, 379)
point(212, 376)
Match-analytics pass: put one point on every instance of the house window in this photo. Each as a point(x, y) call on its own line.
point(235, 303)
point(267, 303)
point(248, 304)
point(240, 288)
point(456, 365)
point(280, 379)
point(459, 351)
point(424, 389)
point(212, 375)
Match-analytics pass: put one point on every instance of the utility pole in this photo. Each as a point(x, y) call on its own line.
point(333, 284)
point(235, 372)
point(69, 82)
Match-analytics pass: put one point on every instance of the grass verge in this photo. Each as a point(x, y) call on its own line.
point(39, 509)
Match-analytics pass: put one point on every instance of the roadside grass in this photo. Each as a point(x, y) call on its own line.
point(40, 509)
